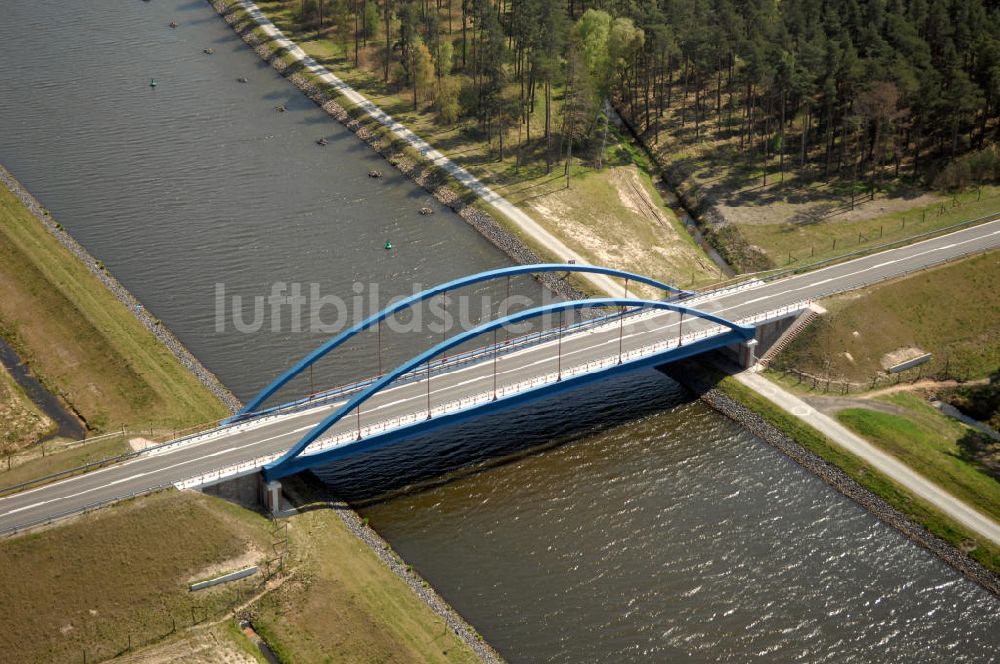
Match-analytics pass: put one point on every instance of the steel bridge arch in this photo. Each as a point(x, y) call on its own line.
point(271, 470)
point(407, 302)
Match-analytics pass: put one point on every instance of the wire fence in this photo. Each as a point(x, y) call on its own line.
point(838, 385)
point(151, 626)
point(863, 238)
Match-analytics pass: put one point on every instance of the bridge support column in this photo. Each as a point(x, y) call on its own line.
point(270, 496)
point(748, 353)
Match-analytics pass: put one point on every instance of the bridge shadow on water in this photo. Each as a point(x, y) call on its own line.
point(478, 445)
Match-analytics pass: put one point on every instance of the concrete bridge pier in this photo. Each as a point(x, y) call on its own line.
point(270, 496)
point(748, 353)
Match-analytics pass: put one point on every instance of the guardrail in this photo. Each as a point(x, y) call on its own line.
point(446, 363)
point(199, 433)
point(777, 273)
point(90, 507)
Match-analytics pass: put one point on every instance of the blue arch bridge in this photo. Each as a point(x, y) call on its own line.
point(433, 389)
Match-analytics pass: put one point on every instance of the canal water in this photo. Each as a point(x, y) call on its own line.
point(67, 425)
point(622, 522)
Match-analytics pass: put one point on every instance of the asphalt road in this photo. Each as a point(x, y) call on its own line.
point(253, 440)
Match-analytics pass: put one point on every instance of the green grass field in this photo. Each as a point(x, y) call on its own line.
point(927, 441)
point(90, 583)
point(82, 342)
point(346, 606)
point(951, 311)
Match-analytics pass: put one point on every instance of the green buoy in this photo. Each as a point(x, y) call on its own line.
point(388, 245)
point(152, 82)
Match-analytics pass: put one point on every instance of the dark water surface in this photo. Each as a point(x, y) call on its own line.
point(620, 523)
point(201, 182)
point(676, 536)
point(67, 424)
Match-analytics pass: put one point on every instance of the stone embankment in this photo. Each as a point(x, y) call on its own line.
point(150, 322)
point(688, 375)
point(419, 171)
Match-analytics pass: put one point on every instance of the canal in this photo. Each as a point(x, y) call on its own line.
point(620, 523)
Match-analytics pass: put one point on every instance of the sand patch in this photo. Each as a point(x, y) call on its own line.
point(251, 557)
point(900, 355)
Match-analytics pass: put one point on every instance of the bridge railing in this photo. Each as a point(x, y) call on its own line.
point(450, 362)
point(552, 377)
point(774, 314)
point(455, 405)
point(485, 396)
point(201, 434)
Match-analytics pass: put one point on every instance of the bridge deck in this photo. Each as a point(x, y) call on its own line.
point(252, 440)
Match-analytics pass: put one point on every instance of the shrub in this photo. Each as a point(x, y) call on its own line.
point(971, 169)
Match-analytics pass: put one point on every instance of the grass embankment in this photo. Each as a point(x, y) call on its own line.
point(613, 216)
point(952, 311)
point(927, 441)
point(89, 584)
point(32, 464)
point(789, 243)
point(82, 342)
point(345, 605)
point(124, 570)
point(915, 508)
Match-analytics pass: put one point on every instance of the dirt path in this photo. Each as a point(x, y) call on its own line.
point(833, 405)
point(923, 385)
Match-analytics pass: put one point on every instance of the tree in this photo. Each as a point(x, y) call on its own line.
point(369, 26)
point(443, 61)
point(877, 104)
point(423, 71)
point(387, 15)
point(446, 100)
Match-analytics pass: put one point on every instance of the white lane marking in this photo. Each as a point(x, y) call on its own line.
point(537, 347)
point(155, 470)
point(605, 327)
point(863, 270)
